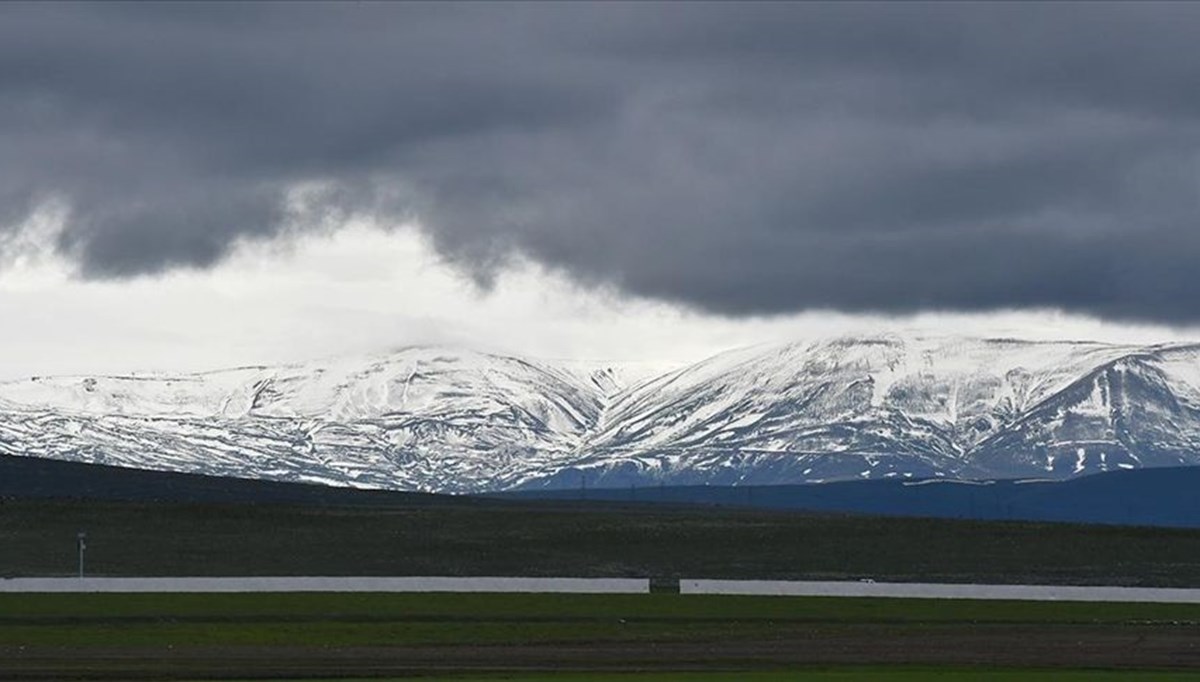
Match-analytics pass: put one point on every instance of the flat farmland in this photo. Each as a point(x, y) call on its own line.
point(440, 636)
point(838, 674)
point(656, 637)
point(584, 539)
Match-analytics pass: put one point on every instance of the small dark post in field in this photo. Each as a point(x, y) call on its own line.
point(81, 541)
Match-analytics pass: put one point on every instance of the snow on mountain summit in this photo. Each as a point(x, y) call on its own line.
point(421, 417)
point(431, 418)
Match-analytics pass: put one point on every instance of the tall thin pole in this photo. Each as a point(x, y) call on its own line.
point(82, 542)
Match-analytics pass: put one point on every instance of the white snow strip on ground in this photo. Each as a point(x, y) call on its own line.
point(940, 591)
point(329, 584)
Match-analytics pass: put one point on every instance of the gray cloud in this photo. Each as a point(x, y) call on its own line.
point(739, 158)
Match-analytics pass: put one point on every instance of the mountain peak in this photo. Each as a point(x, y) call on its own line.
point(454, 419)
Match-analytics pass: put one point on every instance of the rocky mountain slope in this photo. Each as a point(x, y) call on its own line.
point(449, 420)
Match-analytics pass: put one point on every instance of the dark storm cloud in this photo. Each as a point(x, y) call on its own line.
point(738, 158)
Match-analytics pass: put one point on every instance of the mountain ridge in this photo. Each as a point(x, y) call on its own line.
point(439, 419)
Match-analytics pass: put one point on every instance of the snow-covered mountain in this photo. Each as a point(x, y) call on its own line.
point(442, 419)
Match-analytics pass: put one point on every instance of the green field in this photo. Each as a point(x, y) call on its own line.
point(286, 636)
point(579, 539)
point(360, 619)
point(628, 638)
point(846, 674)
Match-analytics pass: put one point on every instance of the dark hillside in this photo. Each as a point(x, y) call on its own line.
point(1142, 497)
point(37, 478)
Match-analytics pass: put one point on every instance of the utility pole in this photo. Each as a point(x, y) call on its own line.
point(81, 541)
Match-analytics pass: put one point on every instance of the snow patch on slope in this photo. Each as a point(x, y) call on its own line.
point(431, 418)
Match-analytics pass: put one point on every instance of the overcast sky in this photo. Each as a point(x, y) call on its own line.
point(196, 185)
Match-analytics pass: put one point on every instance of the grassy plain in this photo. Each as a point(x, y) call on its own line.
point(843, 674)
point(641, 638)
point(37, 537)
point(283, 636)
